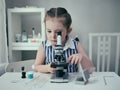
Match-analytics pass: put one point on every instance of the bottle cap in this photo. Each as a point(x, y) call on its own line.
point(22, 68)
point(33, 28)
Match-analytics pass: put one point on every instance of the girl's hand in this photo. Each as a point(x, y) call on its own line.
point(75, 58)
point(50, 69)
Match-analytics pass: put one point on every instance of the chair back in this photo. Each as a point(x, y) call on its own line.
point(104, 51)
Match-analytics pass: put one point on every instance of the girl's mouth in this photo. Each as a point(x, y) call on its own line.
point(54, 40)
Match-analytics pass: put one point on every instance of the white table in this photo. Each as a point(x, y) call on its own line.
point(97, 81)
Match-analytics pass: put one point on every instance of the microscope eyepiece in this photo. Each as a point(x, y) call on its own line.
point(59, 33)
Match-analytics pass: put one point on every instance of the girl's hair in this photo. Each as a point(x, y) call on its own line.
point(59, 13)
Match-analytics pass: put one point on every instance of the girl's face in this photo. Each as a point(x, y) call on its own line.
point(53, 25)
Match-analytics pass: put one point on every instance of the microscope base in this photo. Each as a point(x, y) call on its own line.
point(64, 79)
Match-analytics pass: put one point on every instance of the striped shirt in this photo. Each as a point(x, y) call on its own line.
point(69, 49)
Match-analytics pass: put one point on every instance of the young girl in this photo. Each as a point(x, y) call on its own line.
point(59, 20)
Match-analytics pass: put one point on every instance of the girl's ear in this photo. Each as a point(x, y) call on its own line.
point(69, 31)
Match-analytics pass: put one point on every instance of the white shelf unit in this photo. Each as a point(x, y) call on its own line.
point(25, 46)
point(17, 22)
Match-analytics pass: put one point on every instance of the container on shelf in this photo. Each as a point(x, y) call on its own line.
point(24, 18)
point(24, 36)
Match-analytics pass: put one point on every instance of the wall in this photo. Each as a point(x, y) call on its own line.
point(88, 15)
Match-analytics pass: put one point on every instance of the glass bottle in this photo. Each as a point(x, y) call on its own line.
point(24, 36)
point(33, 32)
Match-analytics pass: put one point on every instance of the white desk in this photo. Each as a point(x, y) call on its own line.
point(97, 81)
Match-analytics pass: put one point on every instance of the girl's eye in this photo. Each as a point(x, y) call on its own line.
point(49, 31)
point(58, 31)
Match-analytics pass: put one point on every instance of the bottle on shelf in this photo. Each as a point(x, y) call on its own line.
point(39, 35)
point(17, 37)
point(33, 32)
point(24, 36)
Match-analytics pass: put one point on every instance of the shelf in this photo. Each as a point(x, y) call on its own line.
point(27, 10)
point(25, 46)
point(24, 18)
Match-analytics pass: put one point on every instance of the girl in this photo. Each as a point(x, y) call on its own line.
point(59, 20)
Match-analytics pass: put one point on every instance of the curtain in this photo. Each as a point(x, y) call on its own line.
point(3, 36)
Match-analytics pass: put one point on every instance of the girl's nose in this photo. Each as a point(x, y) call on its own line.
point(54, 35)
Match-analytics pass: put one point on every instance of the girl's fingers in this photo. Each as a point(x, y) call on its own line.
point(69, 59)
point(50, 69)
point(74, 59)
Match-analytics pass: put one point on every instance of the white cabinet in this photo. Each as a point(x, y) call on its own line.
point(20, 19)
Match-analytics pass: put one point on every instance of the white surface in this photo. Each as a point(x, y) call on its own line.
point(97, 81)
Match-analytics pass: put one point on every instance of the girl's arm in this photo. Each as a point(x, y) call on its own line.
point(82, 58)
point(39, 62)
point(85, 61)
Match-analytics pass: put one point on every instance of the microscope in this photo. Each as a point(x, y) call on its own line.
point(61, 74)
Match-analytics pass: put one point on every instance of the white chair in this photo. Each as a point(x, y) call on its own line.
point(16, 66)
point(104, 51)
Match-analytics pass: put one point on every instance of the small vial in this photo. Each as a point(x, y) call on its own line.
point(18, 37)
point(23, 73)
point(24, 36)
point(30, 75)
point(33, 32)
point(39, 35)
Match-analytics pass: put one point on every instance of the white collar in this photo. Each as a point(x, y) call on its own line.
point(69, 44)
